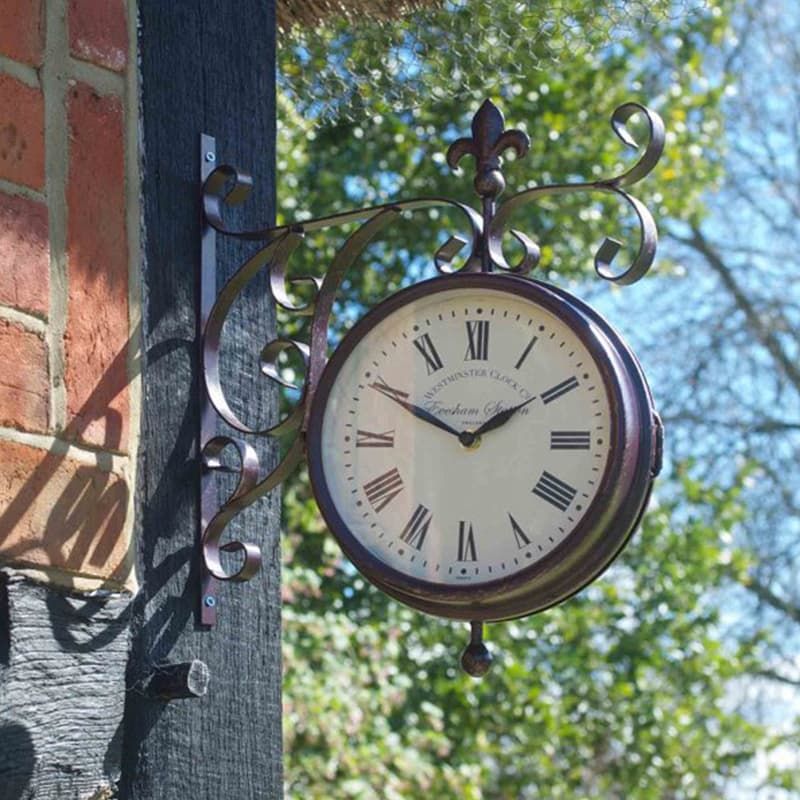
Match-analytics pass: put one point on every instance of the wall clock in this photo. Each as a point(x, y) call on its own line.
point(481, 444)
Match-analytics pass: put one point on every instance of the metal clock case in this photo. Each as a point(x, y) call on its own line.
point(481, 510)
point(535, 573)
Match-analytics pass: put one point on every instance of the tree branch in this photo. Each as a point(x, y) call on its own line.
point(771, 675)
point(766, 595)
point(762, 332)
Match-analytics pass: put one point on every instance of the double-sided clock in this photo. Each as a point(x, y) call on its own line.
point(482, 445)
point(482, 448)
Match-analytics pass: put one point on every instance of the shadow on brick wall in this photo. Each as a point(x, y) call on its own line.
point(67, 513)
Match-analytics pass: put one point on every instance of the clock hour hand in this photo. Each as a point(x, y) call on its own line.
point(501, 417)
point(401, 398)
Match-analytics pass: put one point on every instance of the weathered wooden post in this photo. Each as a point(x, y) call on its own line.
point(205, 67)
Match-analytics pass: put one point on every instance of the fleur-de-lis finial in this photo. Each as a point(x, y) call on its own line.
point(488, 142)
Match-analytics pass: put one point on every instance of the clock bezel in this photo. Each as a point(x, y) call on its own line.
point(608, 522)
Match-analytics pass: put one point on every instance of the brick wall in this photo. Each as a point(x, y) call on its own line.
point(69, 313)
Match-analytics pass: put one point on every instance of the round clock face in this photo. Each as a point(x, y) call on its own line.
point(460, 437)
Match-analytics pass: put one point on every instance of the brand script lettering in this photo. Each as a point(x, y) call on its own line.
point(475, 372)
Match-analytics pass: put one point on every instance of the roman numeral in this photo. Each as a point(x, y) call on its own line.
point(559, 389)
point(370, 439)
point(416, 530)
point(570, 440)
point(381, 386)
point(382, 490)
point(424, 345)
point(519, 534)
point(525, 352)
point(466, 542)
point(555, 491)
point(477, 340)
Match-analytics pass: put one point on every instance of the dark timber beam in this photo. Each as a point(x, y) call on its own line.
point(205, 67)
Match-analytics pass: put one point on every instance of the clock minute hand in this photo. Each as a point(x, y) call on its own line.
point(399, 397)
point(501, 417)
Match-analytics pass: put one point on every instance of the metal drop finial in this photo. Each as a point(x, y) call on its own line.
point(488, 143)
point(476, 658)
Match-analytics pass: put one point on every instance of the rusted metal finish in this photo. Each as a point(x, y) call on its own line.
point(487, 144)
point(608, 523)
point(610, 247)
point(481, 251)
point(489, 141)
point(476, 660)
point(208, 419)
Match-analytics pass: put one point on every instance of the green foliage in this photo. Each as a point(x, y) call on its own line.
point(385, 151)
point(623, 691)
point(338, 69)
point(620, 692)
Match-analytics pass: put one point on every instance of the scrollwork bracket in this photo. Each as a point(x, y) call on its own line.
point(224, 185)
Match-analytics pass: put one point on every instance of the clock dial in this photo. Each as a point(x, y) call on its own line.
point(465, 435)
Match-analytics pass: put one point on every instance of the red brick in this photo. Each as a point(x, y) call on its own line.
point(21, 133)
point(59, 512)
point(98, 32)
point(24, 255)
point(97, 262)
point(22, 31)
point(24, 383)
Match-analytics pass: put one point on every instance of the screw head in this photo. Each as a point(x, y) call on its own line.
point(210, 601)
point(210, 157)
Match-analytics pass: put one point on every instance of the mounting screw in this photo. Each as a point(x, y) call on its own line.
point(210, 601)
point(210, 156)
point(178, 681)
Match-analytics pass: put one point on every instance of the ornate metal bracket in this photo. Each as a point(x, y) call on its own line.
point(224, 185)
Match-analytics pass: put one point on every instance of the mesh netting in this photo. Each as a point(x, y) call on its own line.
point(338, 57)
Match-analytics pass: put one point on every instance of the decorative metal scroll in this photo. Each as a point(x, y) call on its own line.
point(225, 186)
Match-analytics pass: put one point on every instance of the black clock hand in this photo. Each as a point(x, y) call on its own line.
point(501, 418)
point(400, 397)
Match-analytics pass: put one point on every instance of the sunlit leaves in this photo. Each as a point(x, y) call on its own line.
point(622, 691)
point(383, 151)
point(619, 692)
